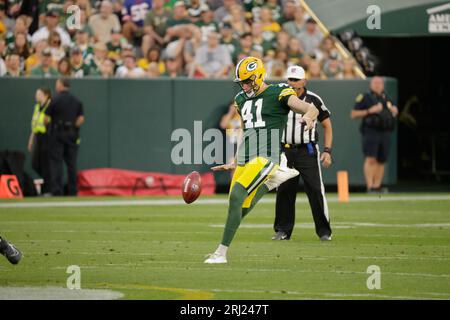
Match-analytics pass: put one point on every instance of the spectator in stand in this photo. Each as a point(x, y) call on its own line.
point(78, 68)
point(107, 68)
point(207, 23)
point(275, 66)
point(175, 47)
point(82, 42)
point(130, 69)
point(176, 22)
point(20, 46)
point(115, 45)
point(227, 39)
point(295, 52)
point(64, 68)
point(100, 55)
point(13, 65)
point(173, 68)
point(245, 47)
point(348, 70)
point(194, 9)
point(193, 41)
point(103, 23)
point(315, 71)
point(133, 17)
point(259, 41)
point(236, 19)
point(332, 67)
point(155, 25)
point(269, 26)
point(20, 26)
point(223, 11)
point(288, 11)
point(326, 49)
point(35, 58)
point(282, 41)
point(127, 50)
point(153, 57)
point(55, 45)
point(297, 25)
point(275, 8)
point(5, 22)
point(311, 37)
point(212, 60)
point(51, 24)
point(45, 68)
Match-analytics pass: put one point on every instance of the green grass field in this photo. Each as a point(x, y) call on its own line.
point(154, 249)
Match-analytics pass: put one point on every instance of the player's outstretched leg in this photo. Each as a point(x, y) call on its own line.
point(260, 192)
point(10, 251)
point(236, 199)
point(280, 176)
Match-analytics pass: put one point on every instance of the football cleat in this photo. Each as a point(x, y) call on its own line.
point(10, 251)
point(280, 235)
point(216, 258)
point(281, 175)
point(325, 238)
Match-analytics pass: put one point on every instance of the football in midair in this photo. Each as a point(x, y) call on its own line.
point(192, 187)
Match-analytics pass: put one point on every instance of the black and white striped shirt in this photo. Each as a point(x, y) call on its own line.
point(294, 132)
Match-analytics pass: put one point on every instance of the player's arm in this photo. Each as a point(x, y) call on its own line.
point(309, 111)
point(328, 140)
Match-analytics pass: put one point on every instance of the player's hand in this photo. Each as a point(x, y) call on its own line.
point(308, 122)
point(376, 108)
point(224, 167)
point(325, 158)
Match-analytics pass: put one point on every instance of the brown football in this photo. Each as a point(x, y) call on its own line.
point(192, 187)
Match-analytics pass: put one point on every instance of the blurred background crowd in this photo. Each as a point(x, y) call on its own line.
point(163, 38)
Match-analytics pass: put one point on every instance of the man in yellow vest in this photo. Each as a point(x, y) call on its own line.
point(38, 143)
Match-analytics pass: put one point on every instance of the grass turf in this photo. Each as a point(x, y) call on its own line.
point(157, 251)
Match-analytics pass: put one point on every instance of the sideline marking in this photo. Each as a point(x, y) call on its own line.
point(171, 202)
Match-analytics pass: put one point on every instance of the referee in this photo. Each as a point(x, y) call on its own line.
point(302, 153)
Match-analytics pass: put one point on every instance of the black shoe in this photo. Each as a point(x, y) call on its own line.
point(280, 235)
point(10, 251)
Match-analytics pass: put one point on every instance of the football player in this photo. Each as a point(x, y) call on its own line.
point(263, 109)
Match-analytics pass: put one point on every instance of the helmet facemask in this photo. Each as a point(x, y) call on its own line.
point(251, 82)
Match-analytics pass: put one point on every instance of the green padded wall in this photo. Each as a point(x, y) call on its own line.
point(129, 122)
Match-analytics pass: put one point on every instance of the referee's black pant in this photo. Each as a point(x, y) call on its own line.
point(308, 164)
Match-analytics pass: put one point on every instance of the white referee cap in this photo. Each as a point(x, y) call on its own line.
point(295, 72)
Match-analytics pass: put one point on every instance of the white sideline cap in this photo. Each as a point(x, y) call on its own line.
point(295, 72)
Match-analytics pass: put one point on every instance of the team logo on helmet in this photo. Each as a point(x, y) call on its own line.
point(252, 66)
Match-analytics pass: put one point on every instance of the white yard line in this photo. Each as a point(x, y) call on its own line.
point(56, 293)
point(171, 202)
point(324, 294)
point(346, 225)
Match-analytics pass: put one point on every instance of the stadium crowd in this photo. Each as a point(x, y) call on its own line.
point(154, 38)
